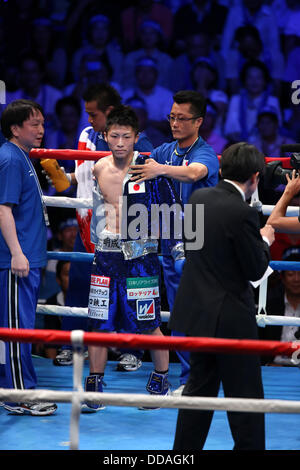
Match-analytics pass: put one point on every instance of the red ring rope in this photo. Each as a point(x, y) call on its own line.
point(70, 154)
point(219, 345)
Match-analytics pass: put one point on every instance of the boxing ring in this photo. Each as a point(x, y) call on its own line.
point(72, 379)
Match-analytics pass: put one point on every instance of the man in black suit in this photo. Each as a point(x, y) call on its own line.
point(215, 298)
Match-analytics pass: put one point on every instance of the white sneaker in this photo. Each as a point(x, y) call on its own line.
point(128, 363)
point(34, 409)
point(64, 358)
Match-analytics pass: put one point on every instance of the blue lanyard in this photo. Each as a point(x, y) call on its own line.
point(45, 213)
point(181, 155)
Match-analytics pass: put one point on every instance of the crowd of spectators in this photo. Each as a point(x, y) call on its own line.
point(241, 54)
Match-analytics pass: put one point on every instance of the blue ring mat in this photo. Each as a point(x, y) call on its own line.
point(127, 428)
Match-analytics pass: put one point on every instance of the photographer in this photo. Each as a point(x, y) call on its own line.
point(278, 219)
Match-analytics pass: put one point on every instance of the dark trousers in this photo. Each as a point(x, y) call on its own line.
point(241, 378)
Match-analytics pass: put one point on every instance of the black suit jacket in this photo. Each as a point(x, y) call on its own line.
point(215, 279)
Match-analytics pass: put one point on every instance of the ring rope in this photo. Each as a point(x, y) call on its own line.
point(76, 154)
point(87, 203)
point(77, 339)
point(68, 154)
point(68, 202)
point(59, 310)
point(142, 341)
point(78, 256)
point(77, 396)
point(253, 405)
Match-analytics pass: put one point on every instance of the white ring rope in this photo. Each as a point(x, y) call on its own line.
point(262, 320)
point(71, 202)
point(292, 211)
point(77, 311)
point(77, 338)
point(252, 405)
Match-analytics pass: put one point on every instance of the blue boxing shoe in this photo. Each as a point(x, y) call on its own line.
point(158, 384)
point(93, 383)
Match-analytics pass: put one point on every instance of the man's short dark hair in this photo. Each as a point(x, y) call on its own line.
point(195, 99)
point(240, 161)
point(104, 94)
point(16, 113)
point(123, 116)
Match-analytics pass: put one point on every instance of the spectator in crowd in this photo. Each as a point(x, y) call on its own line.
point(151, 44)
point(148, 131)
point(65, 238)
point(197, 44)
point(241, 120)
point(94, 69)
point(65, 136)
point(157, 98)
point(204, 77)
point(77, 21)
point(48, 46)
point(133, 16)
point(208, 130)
point(18, 17)
point(282, 242)
point(291, 46)
point(199, 15)
point(248, 46)
point(53, 322)
point(269, 138)
point(99, 43)
point(283, 299)
point(292, 116)
point(255, 13)
point(284, 10)
point(33, 86)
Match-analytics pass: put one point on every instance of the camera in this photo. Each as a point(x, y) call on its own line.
point(275, 174)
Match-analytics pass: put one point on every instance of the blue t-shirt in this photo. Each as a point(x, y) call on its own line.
point(200, 152)
point(19, 186)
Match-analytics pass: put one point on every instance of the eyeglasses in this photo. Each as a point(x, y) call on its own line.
point(180, 119)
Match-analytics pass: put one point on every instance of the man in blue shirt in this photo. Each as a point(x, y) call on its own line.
point(23, 244)
point(192, 164)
